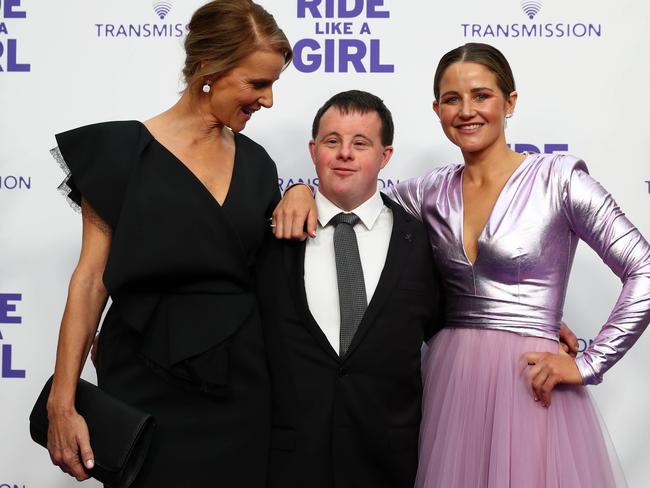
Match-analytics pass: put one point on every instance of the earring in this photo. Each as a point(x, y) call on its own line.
point(509, 115)
point(206, 87)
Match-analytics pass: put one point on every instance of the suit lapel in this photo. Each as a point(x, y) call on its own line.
point(294, 260)
point(398, 248)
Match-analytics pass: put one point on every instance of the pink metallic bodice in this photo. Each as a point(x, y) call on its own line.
point(525, 252)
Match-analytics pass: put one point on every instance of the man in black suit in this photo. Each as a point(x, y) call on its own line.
point(346, 409)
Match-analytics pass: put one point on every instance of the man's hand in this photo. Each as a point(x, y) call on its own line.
point(568, 340)
point(296, 216)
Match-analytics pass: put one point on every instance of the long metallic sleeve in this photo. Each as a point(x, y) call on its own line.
point(596, 218)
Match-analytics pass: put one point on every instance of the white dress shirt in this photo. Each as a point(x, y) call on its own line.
point(321, 287)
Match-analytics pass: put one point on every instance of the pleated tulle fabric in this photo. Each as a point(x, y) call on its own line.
point(481, 427)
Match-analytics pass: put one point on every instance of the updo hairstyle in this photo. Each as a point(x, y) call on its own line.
point(223, 32)
point(483, 54)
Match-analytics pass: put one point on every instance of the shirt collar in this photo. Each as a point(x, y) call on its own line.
point(368, 212)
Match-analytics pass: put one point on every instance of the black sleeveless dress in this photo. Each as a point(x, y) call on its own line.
point(182, 338)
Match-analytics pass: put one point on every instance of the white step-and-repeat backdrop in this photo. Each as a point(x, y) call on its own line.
point(582, 71)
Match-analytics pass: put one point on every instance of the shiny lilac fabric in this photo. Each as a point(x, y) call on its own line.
point(525, 252)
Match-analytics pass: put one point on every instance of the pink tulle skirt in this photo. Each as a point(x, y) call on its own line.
point(481, 427)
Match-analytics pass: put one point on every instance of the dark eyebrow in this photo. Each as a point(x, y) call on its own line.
point(363, 136)
point(265, 81)
point(333, 133)
point(261, 81)
point(336, 134)
point(473, 90)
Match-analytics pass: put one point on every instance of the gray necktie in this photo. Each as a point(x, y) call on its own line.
point(349, 274)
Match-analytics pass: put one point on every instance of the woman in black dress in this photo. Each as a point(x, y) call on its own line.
point(174, 210)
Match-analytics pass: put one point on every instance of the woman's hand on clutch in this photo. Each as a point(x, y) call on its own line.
point(546, 370)
point(295, 217)
point(68, 442)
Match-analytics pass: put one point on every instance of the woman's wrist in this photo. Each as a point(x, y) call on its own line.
point(61, 401)
point(60, 408)
point(589, 376)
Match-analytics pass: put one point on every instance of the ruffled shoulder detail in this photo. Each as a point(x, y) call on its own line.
point(64, 187)
point(98, 160)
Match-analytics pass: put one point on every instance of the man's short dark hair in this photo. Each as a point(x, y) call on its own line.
point(361, 102)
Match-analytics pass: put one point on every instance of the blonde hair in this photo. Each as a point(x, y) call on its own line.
point(223, 32)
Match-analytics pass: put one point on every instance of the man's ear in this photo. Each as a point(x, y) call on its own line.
point(387, 154)
point(312, 151)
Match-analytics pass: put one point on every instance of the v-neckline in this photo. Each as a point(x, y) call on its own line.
point(494, 206)
point(193, 175)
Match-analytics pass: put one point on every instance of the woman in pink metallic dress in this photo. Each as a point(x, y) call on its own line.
point(504, 229)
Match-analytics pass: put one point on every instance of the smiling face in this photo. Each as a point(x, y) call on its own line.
point(238, 94)
point(472, 108)
point(348, 155)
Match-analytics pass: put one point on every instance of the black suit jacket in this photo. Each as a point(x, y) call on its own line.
point(349, 422)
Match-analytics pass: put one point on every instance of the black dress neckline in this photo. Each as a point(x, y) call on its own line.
point(193, 175)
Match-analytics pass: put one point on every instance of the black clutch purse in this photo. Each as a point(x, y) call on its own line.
point(119, 433)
